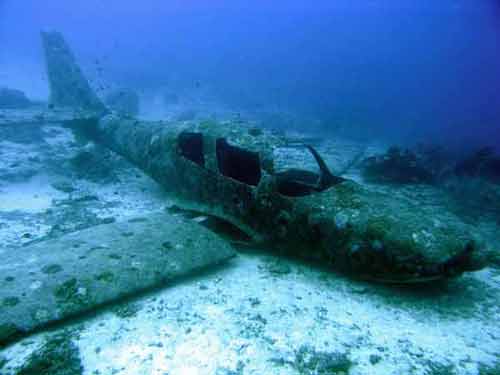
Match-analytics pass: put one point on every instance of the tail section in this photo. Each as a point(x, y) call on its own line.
point(68, 85)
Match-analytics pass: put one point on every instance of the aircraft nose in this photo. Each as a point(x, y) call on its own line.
point(472, 258)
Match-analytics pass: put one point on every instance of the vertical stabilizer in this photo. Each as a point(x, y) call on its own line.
point(68, 85)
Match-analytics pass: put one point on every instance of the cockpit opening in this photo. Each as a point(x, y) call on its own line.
point(238, 163)
point(191, 147)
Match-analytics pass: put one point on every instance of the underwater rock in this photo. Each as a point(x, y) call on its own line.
point(57, 356)
point(484, 163)
point(397, 166)
point(123, 101)
point(12, 99)
point(430, 164)
point(63, 277)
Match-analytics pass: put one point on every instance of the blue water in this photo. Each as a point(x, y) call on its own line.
point(406, 70)
point(396, 71)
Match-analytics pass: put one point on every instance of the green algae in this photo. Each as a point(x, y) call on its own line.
point(71, 296)
point(489, 370)
point(66, 290)
point(10, 301)
point(57, 356)
point(377, 228)
point(105, 276)
point(346, 198)
point(7, 332)
point(51, 269)
point(308, 361)
point(127, 310)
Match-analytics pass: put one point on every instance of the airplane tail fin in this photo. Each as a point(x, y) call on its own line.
point(68, 85)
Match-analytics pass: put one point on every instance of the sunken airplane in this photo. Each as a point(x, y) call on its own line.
point(228, 172)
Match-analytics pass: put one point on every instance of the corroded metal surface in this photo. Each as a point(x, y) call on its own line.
point(62, 277)
point(371, 234)
point(68, 86)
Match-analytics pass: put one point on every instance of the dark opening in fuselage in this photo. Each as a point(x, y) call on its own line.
point(191, 147)
point(244, 166)
point(238, 163)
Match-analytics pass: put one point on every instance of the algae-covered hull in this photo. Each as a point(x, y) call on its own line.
point(228, 171)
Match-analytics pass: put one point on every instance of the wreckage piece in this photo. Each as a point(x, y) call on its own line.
point(228, 171)
point(55, 279)
point(484, 163)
